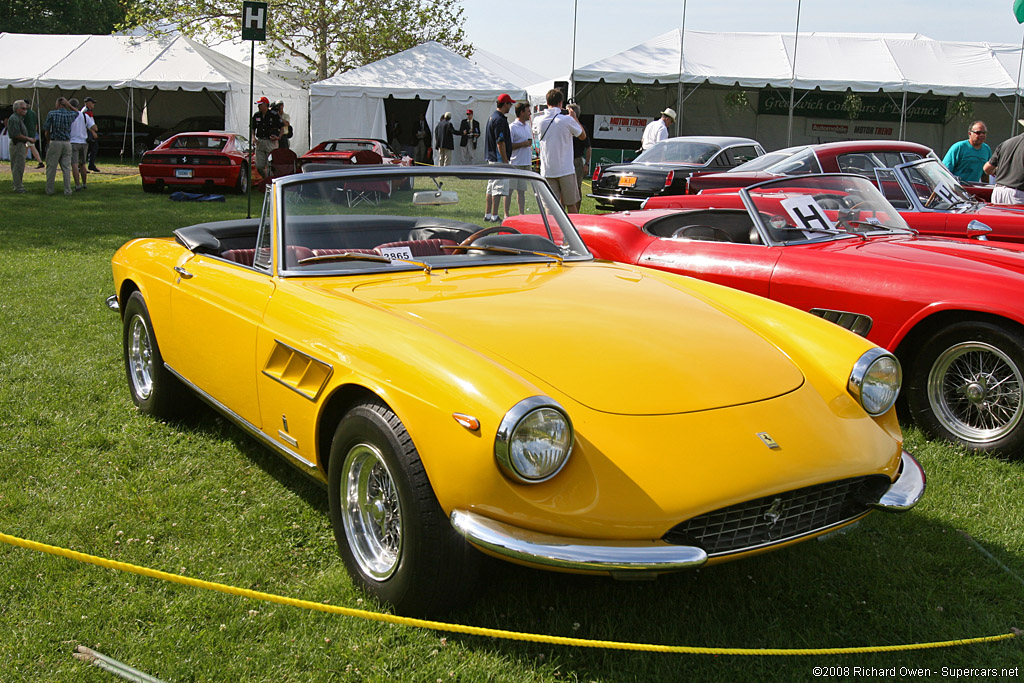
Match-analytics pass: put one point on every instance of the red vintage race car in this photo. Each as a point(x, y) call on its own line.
point(210, 160)
point(832, 245)
point(861, 157)
point(344, 150)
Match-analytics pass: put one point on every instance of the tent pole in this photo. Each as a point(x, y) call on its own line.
point(572, 71)
point(679, 87)
point(1016, 93)
point(903, 114)
point(792, 79)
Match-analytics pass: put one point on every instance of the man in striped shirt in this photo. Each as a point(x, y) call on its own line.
point(58, 131)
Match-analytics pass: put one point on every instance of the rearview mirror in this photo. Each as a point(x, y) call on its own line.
point(432, 197)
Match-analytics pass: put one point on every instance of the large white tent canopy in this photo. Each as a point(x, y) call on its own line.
point(352, 104)
point(161, 79)
point(829, 61)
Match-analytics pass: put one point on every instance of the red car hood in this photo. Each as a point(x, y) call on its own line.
point(936, 252)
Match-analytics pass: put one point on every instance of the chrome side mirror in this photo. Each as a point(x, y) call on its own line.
point(978, 230)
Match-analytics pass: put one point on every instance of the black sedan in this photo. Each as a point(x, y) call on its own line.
point(121, 137)
point(664, 168)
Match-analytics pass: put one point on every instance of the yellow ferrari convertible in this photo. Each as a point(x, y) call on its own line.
point(462, 386)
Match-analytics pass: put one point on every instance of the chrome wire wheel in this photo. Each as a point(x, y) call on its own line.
point(140, 358)
point(371, 512)
point(974, 390)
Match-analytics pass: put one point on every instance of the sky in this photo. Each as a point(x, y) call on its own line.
point(538, 34)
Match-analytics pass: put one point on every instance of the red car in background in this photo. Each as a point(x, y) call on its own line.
point(951, 310)
point(861, 157)
point(344, 150)
point(207, 161)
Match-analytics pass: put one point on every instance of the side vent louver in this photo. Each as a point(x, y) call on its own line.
point(297, 371)
point(854, 322)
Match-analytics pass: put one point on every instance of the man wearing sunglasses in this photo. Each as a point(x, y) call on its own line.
point(967, 158)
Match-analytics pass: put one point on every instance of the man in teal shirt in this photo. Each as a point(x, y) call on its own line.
point(966, 158)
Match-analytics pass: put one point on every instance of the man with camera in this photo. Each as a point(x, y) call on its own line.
point(555, 131)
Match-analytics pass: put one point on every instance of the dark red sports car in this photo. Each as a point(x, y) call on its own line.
point(206, 161)
point(951, 310)
point(345, 149)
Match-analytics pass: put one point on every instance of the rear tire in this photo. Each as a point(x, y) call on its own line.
point(242, 185)
point(153, 388)
point(967, 386)
point(394, 538)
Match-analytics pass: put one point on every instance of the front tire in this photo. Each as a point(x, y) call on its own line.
point(966, 386)
point(394, 538)
point(152, 387)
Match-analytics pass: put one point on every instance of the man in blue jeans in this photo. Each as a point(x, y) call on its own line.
point(58, 131)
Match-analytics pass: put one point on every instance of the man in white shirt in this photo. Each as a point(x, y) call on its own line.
point(555, 131)
point(81, 128)
point(522, 152)
point(657, 130)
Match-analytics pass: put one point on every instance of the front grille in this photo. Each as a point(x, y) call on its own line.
point(775, 519)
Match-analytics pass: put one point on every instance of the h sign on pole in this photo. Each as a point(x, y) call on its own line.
point(254, 21)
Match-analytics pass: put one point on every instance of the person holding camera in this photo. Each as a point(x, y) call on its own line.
point(555, 131)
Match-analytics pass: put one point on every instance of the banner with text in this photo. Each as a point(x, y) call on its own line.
point(831, 105)
point(620, 127)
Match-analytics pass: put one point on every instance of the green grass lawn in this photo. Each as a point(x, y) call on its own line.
point(80, 468)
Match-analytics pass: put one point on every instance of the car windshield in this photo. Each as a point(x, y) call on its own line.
point(822, 207)
point(934, 186)
point(766, 161)
point(680, 152)
point(364, 220)
point(207, 142)
point(348, 146)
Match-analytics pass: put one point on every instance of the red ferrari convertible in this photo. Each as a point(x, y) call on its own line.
point(951, 310)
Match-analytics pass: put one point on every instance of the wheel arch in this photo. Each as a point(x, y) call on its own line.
point(341, 400)
point(925, 328)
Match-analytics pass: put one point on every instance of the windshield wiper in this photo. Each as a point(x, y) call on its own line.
point(508, 250)
point(356, 256)
point(912, 231)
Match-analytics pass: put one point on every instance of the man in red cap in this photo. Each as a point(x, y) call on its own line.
point(469, 131)
point(497, 150)
point(266, 129)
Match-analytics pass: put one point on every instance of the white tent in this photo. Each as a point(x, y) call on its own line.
point(505, 68)
point(160, 80)
point(830, 61)
point(353, 104)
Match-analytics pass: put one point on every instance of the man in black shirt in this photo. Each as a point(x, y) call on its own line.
point(266, 129)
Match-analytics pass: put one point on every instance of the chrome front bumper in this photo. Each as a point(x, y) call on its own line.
point(627, 557)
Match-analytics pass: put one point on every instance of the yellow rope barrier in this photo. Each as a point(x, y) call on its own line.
point(477, 630)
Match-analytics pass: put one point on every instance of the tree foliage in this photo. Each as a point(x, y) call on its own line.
point(321, 37)
point(67, 16)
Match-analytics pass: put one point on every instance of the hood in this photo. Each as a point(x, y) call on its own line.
point(611, 338)
point(975, 256)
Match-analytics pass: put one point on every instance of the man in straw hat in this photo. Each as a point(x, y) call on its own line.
point(657, 130)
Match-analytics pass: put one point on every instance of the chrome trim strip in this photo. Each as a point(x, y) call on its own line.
point(296, 459)
point(574, 553)
point(907, 489)
point(291, 441)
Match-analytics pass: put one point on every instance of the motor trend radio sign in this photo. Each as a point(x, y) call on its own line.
point(617, 127)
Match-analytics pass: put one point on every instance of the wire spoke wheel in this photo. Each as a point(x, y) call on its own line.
point(140, 357)
point(974, 390)
point(372, 512)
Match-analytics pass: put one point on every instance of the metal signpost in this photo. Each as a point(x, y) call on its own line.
point(254, 28)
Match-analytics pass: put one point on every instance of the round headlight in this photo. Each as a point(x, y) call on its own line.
point(534, 440)
point(875, 381)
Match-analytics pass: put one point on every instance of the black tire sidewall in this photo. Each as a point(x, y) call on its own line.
point(1009, 341)
point(165, 400)
point(242, 184)
point(426, 531)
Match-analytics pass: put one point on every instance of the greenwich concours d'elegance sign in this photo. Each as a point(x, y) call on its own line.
point(833, 105)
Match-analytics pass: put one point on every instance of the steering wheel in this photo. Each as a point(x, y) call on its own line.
point(710, 233)
point(494, 229)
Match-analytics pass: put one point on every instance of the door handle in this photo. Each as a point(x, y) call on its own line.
point(182, 272)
